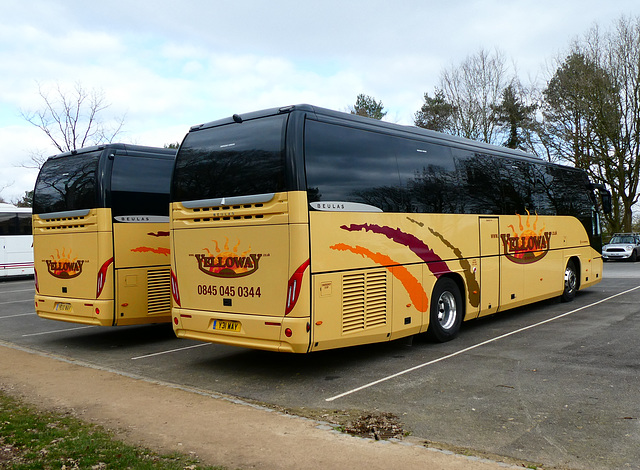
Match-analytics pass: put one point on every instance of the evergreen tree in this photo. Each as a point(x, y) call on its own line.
point(367, 106)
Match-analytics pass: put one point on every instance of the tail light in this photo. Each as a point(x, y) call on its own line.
point(35, 280)
point(174, 289)
point(102, 277)
point(293, 288)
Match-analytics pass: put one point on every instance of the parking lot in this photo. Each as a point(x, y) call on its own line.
point(555, 383)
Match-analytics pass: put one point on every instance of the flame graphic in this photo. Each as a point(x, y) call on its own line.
point(528, 244)
point(64, 265)
point(228, 253)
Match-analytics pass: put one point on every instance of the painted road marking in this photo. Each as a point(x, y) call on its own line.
point(16, 302)
point(14, 291)
point(169, 351)
point(58, 331)
point(18, 315)
point(471, 348)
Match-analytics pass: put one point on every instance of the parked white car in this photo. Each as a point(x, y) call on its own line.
point(622, 246)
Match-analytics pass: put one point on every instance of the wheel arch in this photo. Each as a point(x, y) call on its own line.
point(578, 264)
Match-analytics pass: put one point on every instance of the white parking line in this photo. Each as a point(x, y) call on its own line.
point(170, 351)
point(16, 302)
point(14, 291)
point(18, 315)
point(58, 331)
point(470, 348)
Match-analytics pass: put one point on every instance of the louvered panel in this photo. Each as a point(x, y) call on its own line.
point(353, 302)
point(364, 301)
point(376, 299)
point(158, 291)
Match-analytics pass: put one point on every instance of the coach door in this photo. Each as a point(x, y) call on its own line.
point(489, 265)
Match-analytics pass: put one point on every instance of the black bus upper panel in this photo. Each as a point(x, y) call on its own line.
point(337, 156)
point(130, 179)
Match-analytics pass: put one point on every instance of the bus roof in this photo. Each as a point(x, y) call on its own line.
point(126, 147)
point(4, 207)
point(436, 137)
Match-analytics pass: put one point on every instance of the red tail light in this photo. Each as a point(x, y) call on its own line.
point(35, 280)
point(293, 288)
point(102, 277)
point(174, 289)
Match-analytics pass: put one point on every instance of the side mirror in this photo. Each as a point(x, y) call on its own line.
point(605, 196)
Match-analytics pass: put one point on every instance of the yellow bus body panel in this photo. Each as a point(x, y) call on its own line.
point(233, 265)
point(69, 254)
point(374, 273)
point(371, 276)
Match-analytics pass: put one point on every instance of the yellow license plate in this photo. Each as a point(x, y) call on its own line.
point(63, 307)
point(226, 325)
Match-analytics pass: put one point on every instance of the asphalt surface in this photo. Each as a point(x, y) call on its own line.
point(554, 383)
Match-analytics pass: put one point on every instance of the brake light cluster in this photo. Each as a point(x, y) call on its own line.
point(102, 276)
point(293, 287)
point(174, 289)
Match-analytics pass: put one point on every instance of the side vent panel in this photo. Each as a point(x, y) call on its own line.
point(159, 291)
point(364, 301)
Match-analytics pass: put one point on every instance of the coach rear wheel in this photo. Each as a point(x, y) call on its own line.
point(446, 311)
point(570, 282)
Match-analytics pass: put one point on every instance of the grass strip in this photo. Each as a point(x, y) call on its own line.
point(31, 439)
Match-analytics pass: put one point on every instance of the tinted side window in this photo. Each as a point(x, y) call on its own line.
point(67, 184)
point(429, 172)
point(140, 185)
point(353, 165)
point(15, 223)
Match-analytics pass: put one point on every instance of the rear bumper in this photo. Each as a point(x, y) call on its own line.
point(87, 312)
point(256, 331)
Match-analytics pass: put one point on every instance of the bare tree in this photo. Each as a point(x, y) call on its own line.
point(473, 89)
point(72, 120)
point(592, 113)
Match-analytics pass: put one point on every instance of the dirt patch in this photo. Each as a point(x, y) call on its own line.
point(378, 426)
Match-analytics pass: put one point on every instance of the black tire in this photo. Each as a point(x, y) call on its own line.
point(571, 281)
point(446, 311)
point(633, 257)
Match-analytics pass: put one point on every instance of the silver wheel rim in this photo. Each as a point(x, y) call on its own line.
point(570, 280)
point(447, 310)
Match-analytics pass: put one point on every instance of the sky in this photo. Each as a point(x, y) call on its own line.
point(165, 66)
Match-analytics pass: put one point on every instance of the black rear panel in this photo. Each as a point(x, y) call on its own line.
point(235, 159)
point(67, 184)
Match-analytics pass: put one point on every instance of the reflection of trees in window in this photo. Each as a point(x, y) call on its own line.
point(313, 195)
point(231, 160)
point(15, 223)
point(204, 173)
point(387, 198)
point(66, 183)
point(436, 190)
point(409, 175)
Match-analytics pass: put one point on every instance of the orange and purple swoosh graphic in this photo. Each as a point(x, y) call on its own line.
point(409, 282)
point(433, 261)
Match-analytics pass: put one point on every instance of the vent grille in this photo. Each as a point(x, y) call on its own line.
point(224, 213)
point(159, 291)
point(259, 212)
point(364, 301)
point(64, 223)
